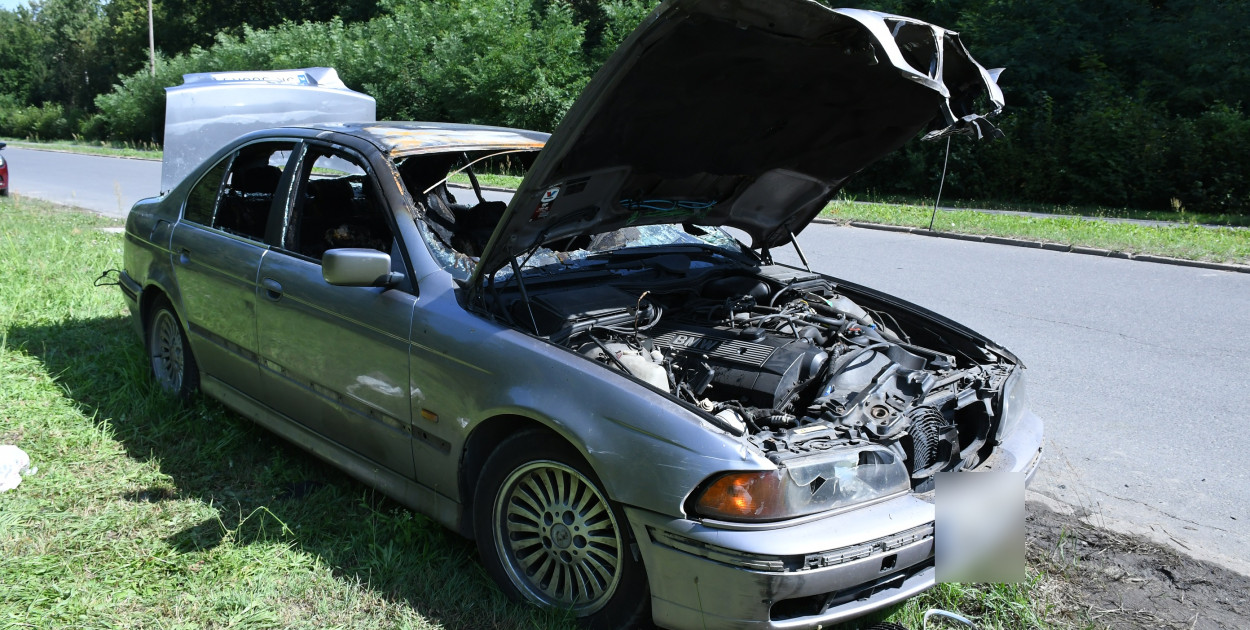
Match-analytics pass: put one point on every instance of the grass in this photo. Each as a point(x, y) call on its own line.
point(147, 512)
point(1193, 242)
point(1176, 215)
point(508, 182)
point(143, 150)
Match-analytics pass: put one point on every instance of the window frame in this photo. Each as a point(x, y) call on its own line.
point(301, 171)
point(230, 159)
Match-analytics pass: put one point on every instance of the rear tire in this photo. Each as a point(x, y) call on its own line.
point(169, 354)
point(548, 534)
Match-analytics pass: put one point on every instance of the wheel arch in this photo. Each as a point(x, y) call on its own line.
point(483, 440)
point(148, 297)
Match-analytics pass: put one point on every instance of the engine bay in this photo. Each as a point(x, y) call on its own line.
point(789, 361)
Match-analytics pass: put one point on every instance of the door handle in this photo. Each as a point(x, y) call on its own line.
point(184, 256)
point(273, 289)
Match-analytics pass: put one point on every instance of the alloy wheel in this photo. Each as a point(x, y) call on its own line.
point(166, 348)
point(557, 537)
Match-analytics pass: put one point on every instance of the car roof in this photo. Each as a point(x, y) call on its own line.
point(400, 138)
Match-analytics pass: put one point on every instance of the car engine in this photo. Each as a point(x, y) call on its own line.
point(792, 363)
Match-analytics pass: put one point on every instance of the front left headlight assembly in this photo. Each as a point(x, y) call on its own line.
point(829, 481)
point(1015, 400)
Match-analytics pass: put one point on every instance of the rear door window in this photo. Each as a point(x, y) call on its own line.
point(238, 195)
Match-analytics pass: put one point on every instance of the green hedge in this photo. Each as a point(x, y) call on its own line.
point(485, 61)
point(48, 121)
point(1121, 103)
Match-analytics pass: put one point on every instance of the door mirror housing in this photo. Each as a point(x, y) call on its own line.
point(358, 268)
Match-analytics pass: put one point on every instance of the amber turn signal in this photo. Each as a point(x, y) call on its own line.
point(756, 495)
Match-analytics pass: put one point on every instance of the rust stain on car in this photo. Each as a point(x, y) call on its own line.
point(409, 140)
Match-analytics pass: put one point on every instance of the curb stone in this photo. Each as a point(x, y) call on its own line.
point(1054, 247)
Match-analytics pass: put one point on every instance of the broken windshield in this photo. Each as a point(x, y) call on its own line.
point(587, 252)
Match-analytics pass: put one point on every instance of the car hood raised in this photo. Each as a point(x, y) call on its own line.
point(741, 113)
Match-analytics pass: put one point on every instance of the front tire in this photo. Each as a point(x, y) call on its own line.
point(169, 354)
point(549, 535)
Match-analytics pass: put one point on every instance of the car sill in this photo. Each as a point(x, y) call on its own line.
point(408, 492)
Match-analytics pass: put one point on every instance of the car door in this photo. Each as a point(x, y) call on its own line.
point(335, 358)
point(216, 249)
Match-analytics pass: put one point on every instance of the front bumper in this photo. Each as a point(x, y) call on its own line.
point(807, 575)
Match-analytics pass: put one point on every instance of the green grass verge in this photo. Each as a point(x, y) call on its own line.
point(147, 512)
point(111, 149)
point(1178, 215)
point(509, 182)
point(1191, 242)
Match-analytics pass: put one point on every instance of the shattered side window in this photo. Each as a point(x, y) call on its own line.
point(459, 265)
point(456, 225)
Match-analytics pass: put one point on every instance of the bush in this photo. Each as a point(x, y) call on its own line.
point(490, 62)
point(1112, 112)
point(49, 121)
point(1212, 164)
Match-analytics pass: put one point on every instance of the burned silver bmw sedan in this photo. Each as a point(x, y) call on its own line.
point(635, 413)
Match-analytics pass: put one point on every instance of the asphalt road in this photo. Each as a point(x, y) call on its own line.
point(1139, 369)
point(106, 185)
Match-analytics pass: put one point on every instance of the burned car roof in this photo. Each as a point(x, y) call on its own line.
point(397, 138)
point(744, 114)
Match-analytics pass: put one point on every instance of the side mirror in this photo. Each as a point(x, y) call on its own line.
point(3, 145)
point(358, 268)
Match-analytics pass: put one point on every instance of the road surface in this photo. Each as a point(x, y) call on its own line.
point(1139, 369)
point(107, 185)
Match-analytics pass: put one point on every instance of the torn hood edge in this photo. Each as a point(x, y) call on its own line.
point(741, 114)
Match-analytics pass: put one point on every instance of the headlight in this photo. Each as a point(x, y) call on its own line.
point(804, 486)
point(1015, 402)
point(1, 160)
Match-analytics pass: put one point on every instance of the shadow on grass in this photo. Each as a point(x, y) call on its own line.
point(264, 490)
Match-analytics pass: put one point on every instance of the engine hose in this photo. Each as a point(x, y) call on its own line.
point(825, 309)
point(849, 359)
point(779, 420)
point(611, 355)
point(769, 417)
point(746, 416)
